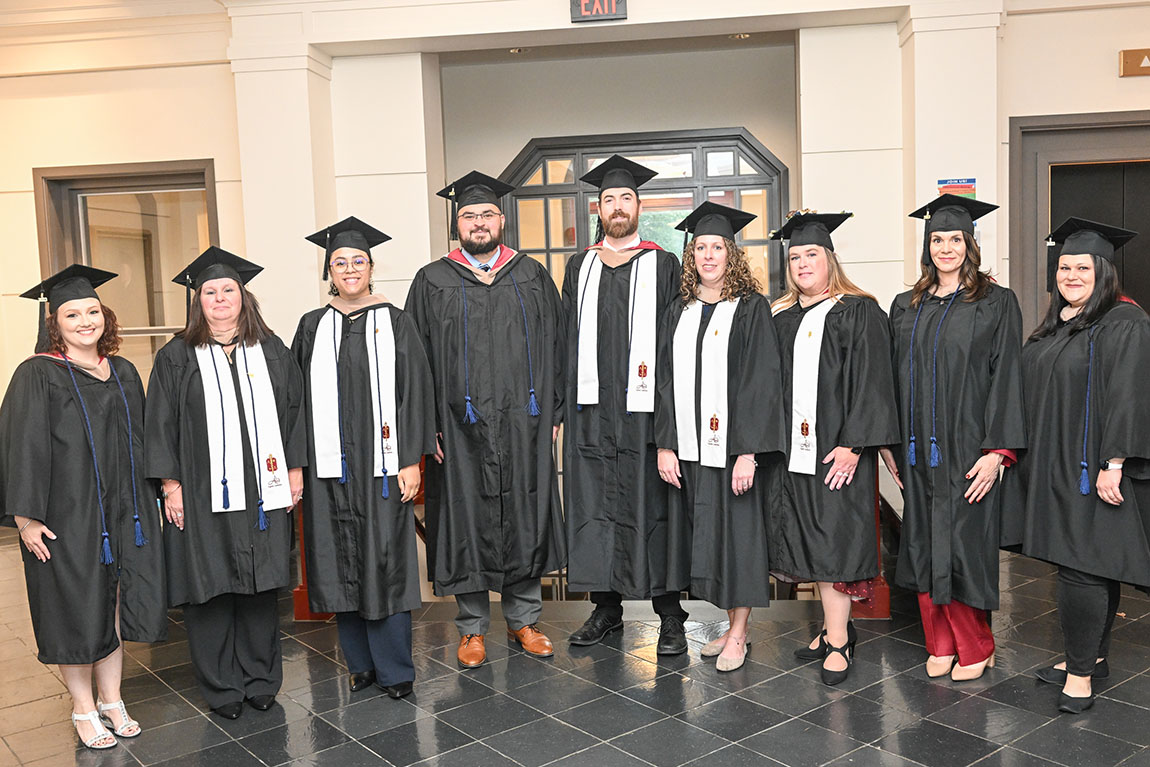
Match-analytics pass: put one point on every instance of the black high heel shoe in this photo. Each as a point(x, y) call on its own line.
point(832, 678)
point(818, 652)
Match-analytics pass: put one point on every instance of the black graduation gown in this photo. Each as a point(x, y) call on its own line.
point(219, 552)
point(46, 473)
point(615, 502)
point(717, 541)
point(1045, 510)
point(361, 547)
point(818, 534)
point(492, 507)
point(949, 547)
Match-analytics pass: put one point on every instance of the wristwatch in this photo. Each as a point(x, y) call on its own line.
point(857, 450)
point(1111, 465)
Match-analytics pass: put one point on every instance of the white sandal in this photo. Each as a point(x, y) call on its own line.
point(126, 721)
point(101, 732)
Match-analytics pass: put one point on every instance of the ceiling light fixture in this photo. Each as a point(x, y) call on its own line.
point(739, 36)
point(517, 50)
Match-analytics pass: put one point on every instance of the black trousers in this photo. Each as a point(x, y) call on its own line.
point(1086, 607)
point(665, 605)
point(383, 646)
point(235, 646)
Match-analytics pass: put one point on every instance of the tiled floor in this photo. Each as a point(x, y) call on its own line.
point(615, 704)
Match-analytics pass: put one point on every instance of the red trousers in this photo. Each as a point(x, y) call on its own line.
point(956, 629)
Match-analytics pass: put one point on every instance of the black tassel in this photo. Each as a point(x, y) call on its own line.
point(599, 230)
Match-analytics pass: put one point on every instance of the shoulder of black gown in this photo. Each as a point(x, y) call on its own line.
point(26, 441)
point(287, 380)
point(1122, 359)
point(305, 331)
point(756, 391)
point(872, 419)
point(162, 410)
point(899, 306)
point(665, 431)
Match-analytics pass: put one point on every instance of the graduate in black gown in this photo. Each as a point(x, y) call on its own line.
point(72, 482)
point(614, 295)
point(369, 421)
point(957, 345)
point(489, 318)
point(839, 406)
point(718, 410)
point(1080, 497)
point(225, 436)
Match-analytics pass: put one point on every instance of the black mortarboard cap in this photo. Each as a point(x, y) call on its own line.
point(810, 228)
point(213, 264)
point(617, 172)
point(950, 213)
point(1079, 237)
point(473, 189)
point(712, 218)
point(349, 233)
point(68, 284)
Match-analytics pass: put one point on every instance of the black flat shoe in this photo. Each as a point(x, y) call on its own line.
point(672, 637)
point(1071, 705)
point(599, 625)
point(832, 678)
point(230, 710)
point(398, 690)
point(1057, 676)
point(361, 681)
point(262, 702)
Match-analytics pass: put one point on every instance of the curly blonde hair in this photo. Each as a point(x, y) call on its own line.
point(738, 281)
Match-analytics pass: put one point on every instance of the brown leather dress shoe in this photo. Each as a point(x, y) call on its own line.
point(472, 652)
point(533, 641)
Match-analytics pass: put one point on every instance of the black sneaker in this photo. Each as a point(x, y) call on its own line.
point(600, 624)
point(672, 637)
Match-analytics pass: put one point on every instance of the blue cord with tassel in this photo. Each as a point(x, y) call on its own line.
point(140, 539)
point(379, 398)
point(262, 520)
point(470, 414)
point(935, 453)
point(105, 547)
point(338, 402)
point(1084, 478)
point(532, 407)
point(223, 430)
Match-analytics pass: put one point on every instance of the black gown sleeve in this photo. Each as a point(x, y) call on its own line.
point(1124, 418)
point(871, 418)
point(1005, 421)
point(302, 343)
point(162, 413)
point(666, 434)
point(414, 392)
point(293, 424)
point(418, 310)
point(756, 421)
point(25, 447)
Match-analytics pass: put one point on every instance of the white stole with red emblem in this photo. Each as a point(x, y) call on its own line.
point(808, 347)
point(325, 402)
point(642, 319)
point(225, 441)
point(710, 449)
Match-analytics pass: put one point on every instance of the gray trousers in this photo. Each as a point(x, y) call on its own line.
point(522, 606)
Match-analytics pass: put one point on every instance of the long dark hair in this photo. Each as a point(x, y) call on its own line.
point(250, 326)
point(975, 282)
point(108, 344)
point(1107, 292)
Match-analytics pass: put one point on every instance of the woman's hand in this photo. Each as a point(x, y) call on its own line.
point(669, 467)
point(438, 447)
point(982, 476)
point(295, 482)
point(842, 471)
point(891, 466)
point(32, 532)
point(174, 502)
point(1107, 483)
point(408, 479)
point(743, 475)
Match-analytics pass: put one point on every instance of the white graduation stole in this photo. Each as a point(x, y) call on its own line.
point(808, 346)
point(642, 313)
point(711, 450)
point(325, 393)
point(225, 440)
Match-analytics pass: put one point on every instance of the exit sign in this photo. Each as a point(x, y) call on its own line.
point(598, 10)
point(1134, 63)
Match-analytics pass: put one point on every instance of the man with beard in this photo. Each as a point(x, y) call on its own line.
point(490, 320)
point(616, 505)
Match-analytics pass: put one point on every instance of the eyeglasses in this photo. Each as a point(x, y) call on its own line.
point(487, 217)
point(342, 265)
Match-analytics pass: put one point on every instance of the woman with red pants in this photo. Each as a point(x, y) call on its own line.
point(957, 339)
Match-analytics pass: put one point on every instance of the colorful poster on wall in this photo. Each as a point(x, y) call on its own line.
point(963, 187)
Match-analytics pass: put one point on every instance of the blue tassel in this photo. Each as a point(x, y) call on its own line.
point(140, 539)
point(106, 553)
point(1084, 480)
point(579, 408)
point(262, 522)
point(470, 414)
point(385, 491)
point(911, 456)
point(342, 469)
point(935, 453)
point(532, 404)
point(227, 502)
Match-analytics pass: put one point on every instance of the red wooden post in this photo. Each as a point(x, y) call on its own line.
point(300, 608)
point(879, 607)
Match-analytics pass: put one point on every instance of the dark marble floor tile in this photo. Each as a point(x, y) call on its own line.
point(171, 740)
point(1020, 565)
point(490, 716)
point(569, 657)
point(427, 667)
point(862, 674)
point(989, 719)
point(291, 741)
point(159, 655)
point(350, 754)
point(180, 678)
point(619, 671)
point(165, 709)
point(539, 742)
point(934, 745)
point(672, 693)
point(1063, 742)
point(471, 755)
point(733, 718)
point(428, 635)
point(1025, 692)
point(142, 687)
point(602, 755)
point(779, 652)
point(1012, 757)
point(375, 715)
point(610, 716)
point(1141, 759)
point(284, 711)
point(748, 675)
point(860, 718)
point(322, 640)
point(229, 754)
point(512, 672)
point(669, 743)
point(448, 654)
point(801, 744)
point(309, 670)
point(731, 756)
point(869, 756)
point(908, 692)
point(894, 655)
point(1135, 633)
point(680, 662)
point(330, 694)
point(559, 693)
point(416, 741)
point(448, 692)
point(1116, 719)
point(792, 694)
point(1015, 658)
point(1135, 690)
point(294, 650)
